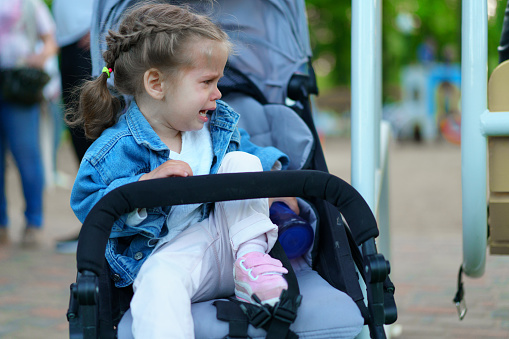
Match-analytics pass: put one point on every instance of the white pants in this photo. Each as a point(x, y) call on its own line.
point(197, 265)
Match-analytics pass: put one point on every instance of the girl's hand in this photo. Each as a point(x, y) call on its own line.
point(290, 201)
point(171, 168)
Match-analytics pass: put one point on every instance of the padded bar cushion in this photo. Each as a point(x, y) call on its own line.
point(274, 125)
point(219, 187)
point(325, 313)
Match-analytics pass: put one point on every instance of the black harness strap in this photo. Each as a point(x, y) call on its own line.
point(231, 312)
point(283, 316)
point(275, 320)
point(285, 311)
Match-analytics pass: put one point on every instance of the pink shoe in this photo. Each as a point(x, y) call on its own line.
point(260, 274)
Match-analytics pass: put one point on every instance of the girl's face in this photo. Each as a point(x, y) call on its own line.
point(195, 92)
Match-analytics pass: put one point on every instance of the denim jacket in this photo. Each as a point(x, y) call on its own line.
point(131, 148)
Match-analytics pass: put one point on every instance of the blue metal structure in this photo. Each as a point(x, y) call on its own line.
point(474, 80)
point(370, 136)
point(369, 144)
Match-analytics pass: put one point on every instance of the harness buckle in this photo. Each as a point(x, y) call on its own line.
point(286, 309)
point(258, 315)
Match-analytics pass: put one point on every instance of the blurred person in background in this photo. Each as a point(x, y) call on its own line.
point(73, 20)
point(52, 124)
point(23, 25)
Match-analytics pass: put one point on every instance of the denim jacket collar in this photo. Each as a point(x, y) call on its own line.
point(141, 130)
point(224, 117)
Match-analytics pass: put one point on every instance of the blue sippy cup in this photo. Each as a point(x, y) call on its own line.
point(295, 233)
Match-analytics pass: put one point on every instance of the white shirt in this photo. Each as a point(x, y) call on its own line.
point(198, 153)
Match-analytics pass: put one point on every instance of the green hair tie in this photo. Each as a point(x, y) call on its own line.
point(107, 70)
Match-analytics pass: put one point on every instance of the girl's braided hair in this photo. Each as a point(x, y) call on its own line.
point(153, 35)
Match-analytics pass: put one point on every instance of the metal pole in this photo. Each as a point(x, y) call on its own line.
point(364, 105)
point(495, 123)
point(473, 143)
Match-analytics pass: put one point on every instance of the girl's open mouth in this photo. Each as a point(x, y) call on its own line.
point(203, 116)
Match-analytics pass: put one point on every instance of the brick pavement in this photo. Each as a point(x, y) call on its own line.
point(426, 253)
point(426, 245)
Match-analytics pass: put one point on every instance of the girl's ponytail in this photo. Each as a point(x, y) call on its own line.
point(97, 108)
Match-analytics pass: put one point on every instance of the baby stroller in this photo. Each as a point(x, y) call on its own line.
point(324, 299)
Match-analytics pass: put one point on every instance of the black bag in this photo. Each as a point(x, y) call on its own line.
point(23, 85)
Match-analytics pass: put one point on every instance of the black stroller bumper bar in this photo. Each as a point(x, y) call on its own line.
point(219, 187)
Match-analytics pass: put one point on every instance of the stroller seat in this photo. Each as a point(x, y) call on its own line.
point(325, 312)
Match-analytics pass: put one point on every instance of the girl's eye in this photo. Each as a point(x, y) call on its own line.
point(207, 82)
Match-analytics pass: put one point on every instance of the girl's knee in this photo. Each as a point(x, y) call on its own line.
point(235, 162)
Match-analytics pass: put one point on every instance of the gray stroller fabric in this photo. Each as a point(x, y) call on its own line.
point(274, 125)
point(271, 41)
point(270, 36)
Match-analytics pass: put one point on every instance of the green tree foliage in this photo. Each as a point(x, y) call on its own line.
point(406, 25)
point(330, 34)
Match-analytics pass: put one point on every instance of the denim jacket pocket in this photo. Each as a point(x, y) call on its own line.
point(125, 262)
point(151, 227)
